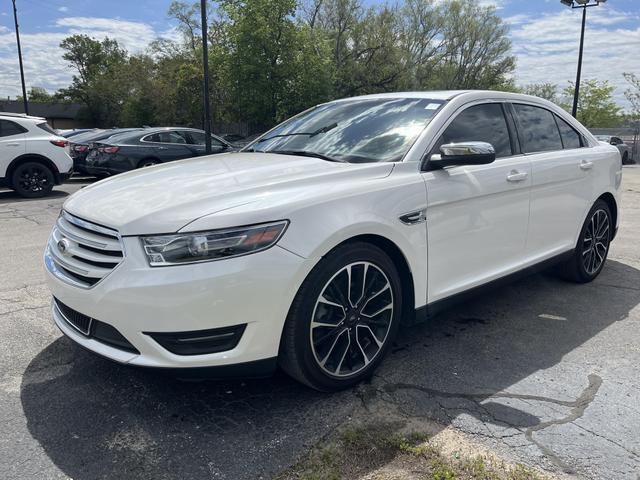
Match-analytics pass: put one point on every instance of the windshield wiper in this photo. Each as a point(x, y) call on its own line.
point(324, 129)
point(304, 153)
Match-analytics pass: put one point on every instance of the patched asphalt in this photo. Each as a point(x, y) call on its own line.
point(542, 371)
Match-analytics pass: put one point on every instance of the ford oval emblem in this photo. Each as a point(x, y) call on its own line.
point(63, 246)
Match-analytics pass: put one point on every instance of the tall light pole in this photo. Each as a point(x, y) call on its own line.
point(205, 67)
point(583, 4)
point(24, 89)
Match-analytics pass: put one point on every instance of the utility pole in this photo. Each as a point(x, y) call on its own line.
point(576, 93)
point(24, 89)
point(205, 66)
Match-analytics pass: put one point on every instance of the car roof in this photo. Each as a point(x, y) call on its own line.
point(100, 134)
point(20, 116)
point(445, 95)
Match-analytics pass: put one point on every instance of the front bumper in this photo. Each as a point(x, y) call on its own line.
point(134, 298)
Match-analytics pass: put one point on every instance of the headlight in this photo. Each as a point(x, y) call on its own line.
point(184, 248)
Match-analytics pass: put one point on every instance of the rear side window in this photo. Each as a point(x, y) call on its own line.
point(570, 138)
point(480, 123)
point(538, 130)
point(8, 128)
point(45, 126)
point(167, 137)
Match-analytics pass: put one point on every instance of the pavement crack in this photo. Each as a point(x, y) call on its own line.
point(578, 408)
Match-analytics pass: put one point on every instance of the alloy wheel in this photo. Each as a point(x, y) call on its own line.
point(33, 179)
point(351, 319)
point(596, 241)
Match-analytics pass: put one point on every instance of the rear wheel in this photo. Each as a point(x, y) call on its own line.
point(591, 251)
point(343, 319)
point(32, 180)
point(147, 162)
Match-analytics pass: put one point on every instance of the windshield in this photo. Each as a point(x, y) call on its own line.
point(357, 131)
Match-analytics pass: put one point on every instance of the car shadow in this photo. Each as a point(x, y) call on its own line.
point(9, 196)
point(96, 419)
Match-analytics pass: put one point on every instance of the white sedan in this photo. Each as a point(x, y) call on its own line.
point(310, 248)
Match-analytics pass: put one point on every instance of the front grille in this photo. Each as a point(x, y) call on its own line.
point(83, 253)
point(92, 328)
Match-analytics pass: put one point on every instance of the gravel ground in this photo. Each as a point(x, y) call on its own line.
point(542, 371)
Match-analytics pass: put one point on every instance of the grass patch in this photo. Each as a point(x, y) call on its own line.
point(355, 451)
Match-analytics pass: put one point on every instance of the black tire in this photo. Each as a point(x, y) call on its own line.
point(625, 158)
point(301, 343)
point(147, 162)
point(579, 268)
point(32, 180)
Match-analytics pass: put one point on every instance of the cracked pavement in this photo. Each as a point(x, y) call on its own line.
point(542, 371)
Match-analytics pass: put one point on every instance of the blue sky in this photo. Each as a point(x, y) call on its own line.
point(544, 33)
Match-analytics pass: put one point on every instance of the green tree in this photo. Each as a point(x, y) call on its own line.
point(38, 95)
point(548, 91)
point(596, 107)
point(477, 50)
point(632, 94)
point(100, 82)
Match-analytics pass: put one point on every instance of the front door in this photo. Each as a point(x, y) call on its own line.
point(477, 216)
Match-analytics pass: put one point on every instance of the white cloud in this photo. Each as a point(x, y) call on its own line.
point(63, 9)
point(547, 48)
point(42, 54)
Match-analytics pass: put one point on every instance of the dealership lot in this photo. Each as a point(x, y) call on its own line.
point(542, 371)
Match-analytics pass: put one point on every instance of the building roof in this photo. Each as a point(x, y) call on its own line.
point(46, 110)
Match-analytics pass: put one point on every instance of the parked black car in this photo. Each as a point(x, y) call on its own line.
point(139, 149)
point(80, 145)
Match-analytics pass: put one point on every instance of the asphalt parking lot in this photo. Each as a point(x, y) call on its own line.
point(542, 371)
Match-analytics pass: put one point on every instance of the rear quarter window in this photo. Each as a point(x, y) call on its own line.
point(570, 138)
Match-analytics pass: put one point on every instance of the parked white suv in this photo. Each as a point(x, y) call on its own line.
point(33, 158)
point(309, 248)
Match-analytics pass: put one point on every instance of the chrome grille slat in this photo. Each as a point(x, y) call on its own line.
point(83, 267)
point(92, 239)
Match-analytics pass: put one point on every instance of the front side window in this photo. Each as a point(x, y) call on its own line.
point(354, 131)
point(8, 128)
point(538, 130)
point(480, 123)
point(570, 138)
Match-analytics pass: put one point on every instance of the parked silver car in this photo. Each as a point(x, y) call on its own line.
point(625, 150)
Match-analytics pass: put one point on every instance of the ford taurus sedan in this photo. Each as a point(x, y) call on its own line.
point(310, 248)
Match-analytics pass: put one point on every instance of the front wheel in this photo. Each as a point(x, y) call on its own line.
point(32, 180)
point(343, 319)
point(593, 245)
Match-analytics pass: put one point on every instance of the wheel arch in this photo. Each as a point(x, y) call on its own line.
point(610, 200)
point(145, 158)
point(33, 157)
point(404, 270)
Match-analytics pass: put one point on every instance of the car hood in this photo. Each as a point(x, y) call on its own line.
point(165, 198)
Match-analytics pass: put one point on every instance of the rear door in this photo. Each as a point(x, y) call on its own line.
point(562, 180)
point(477, 215)
point(168, 145)
point(12, 143)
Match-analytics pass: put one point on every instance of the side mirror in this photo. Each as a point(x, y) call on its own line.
point(465, 153)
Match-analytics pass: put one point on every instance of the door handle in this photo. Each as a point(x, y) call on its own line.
point(586, 165)
point(516, 176)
